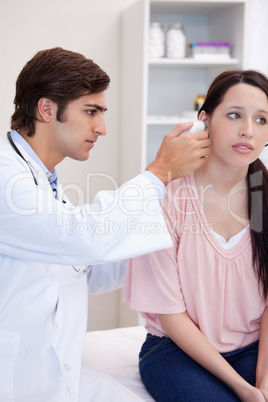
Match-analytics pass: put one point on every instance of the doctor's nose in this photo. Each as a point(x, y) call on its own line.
point(100, 126)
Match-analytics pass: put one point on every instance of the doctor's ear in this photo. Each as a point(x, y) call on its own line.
point(45, 108)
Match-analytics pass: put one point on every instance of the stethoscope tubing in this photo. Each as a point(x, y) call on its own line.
point(20, 154)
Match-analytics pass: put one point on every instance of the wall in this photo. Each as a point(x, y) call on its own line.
point(92, 28)
point(87, 26)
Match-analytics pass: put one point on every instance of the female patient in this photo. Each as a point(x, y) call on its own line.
point(205, 301)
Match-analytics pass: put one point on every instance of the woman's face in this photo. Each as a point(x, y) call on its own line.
point(238, 127)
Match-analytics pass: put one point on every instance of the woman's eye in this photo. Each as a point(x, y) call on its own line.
point(261, 120)
point(234, 115)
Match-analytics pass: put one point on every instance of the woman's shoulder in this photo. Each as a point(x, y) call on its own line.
point(181, 190)
point(180, 185)
point(179, 196)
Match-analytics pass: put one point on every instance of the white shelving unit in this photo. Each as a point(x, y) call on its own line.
point(188, 61)
point(156, 93)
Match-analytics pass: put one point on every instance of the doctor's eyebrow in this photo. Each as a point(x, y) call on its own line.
point(96, 106)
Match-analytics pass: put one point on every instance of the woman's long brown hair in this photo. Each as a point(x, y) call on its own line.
point(257, 176)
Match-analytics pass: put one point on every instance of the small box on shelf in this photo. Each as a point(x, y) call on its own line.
point(210, 50)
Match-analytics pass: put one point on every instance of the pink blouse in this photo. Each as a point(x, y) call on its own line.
point(217, 287)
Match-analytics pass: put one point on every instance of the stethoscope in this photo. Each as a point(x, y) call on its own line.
point(12, 143)
point(80, 268)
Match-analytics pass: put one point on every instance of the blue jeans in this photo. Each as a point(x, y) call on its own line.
point(170, 375)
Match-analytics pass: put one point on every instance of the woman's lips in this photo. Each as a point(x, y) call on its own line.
point(243, 148)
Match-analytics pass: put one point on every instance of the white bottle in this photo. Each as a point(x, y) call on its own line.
point(156, 40)
point(176, 42)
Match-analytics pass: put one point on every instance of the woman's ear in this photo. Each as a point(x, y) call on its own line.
point(45, 110)
point(203, 116)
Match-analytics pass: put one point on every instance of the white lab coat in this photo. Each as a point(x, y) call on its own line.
point(43, 299)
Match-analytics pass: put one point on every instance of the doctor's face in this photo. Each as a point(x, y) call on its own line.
point(83, 122)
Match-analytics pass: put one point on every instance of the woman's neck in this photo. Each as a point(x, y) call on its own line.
point(222, 178)
point(223, 195)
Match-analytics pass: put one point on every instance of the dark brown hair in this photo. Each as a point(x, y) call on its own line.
point(257, 177)
point(59, 75)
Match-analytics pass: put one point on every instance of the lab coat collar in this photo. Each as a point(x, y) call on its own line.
point(18, 139)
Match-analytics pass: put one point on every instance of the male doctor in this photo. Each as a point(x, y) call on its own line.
point(47, 267)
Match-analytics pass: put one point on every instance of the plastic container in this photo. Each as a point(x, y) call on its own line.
point(176, 42)
point(156, 41)
point(214, 50)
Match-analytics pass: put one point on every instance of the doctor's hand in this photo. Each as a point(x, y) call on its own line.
point(178, 155)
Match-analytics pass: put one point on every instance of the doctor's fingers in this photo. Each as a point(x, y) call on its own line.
point(197, 142)
point(204, 148)
point(205, 144)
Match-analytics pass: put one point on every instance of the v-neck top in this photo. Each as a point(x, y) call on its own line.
point(217, 287)
point(232, 242)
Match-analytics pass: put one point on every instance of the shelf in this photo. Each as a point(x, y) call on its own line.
point(165, 120)
point(189, 61)
point(200, 7)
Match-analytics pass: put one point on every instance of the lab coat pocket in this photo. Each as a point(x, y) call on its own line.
point(9, 346)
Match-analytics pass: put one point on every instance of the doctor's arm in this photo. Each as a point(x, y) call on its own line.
point(36, 227)
point(262, 364)
point(106, 277)
point(182, 330)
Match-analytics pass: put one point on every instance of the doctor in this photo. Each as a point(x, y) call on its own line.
point(47, 265)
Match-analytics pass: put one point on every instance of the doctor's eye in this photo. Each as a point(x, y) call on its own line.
point(261, 120)
point(91, 112)
point(234, 115)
